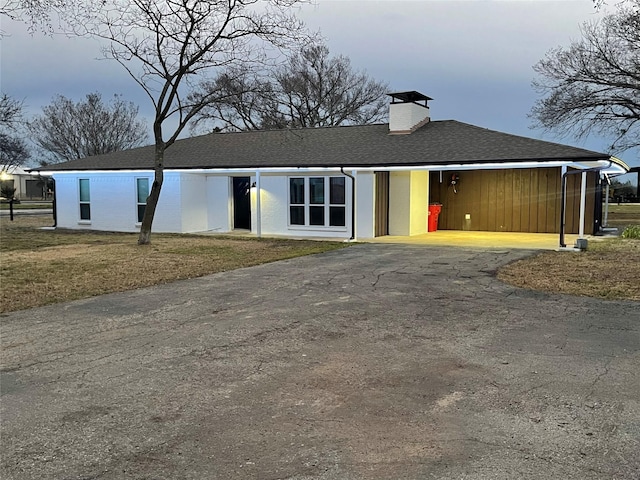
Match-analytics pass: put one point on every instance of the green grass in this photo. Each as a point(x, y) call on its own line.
point(27, 206)
point(632, 208)
point(623, 215)
point(632, 231)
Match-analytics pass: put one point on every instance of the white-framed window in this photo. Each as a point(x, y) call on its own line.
point(142, 192)
point(85, 199)
point(317, 201)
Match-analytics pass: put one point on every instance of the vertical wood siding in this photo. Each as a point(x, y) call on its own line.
point(517, 200)
point(382, 204)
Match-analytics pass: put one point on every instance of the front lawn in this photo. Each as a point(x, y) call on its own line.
point(609, 269)
point(39, 267)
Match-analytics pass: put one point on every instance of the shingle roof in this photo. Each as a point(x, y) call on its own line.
point(437, 143)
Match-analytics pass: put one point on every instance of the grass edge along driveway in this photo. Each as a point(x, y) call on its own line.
point(39, 267)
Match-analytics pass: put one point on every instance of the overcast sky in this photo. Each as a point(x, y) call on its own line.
point(474, 58)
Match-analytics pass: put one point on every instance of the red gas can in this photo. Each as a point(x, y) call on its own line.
point(434, 212)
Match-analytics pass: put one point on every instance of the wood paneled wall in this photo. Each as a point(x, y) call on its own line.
point(382, 204)
point(516, 200)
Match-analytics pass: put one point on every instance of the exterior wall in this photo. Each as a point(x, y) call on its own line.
point(218, 203)
point(408, 202)
point(404, 116)
point(169, 209)
point(274, 205)
point(516, 200)
point(113, 201)
point(365, 205)
point(419, 202)
point(188, 203)
point(194, 207)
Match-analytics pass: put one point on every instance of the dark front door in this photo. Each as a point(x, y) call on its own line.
point(242, 203)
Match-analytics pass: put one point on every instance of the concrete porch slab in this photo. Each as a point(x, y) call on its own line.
point(458, 238)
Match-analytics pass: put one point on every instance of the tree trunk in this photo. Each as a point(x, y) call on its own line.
point(152, 200)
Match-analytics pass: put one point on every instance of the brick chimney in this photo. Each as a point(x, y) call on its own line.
point(408, 111)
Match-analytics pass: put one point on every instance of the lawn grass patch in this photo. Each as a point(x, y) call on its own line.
point(609, 269)
point(26, 206)
point(631, 231)
point(623, 215)
point(39, 267)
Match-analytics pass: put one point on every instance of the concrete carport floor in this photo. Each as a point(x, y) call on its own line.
point(507, 240)
point(370, 362)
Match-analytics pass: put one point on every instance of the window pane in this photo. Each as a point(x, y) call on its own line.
point(297, 215)
point(316, 215)
point(84, 190)
point(336, 216)
point(85, 211)
point(316, 191)
point(143, 189)
point(336, 190)
point(296, 190)
point(141, 209)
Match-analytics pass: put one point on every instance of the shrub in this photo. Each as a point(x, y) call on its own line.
point(632, 231)
point(7, 191)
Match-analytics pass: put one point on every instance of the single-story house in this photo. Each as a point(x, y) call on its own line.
point(28, 186)
point(347, 182)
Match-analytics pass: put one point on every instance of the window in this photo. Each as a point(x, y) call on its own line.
point(85, 206)
point(296, 201)
point(142, 190)
point(309, 204)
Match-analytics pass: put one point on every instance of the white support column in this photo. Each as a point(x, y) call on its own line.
point(354, 207)
point(583, 202)
point(563, 170)
point(258, 210)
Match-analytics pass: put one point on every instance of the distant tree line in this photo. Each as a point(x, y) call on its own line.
point(311, 89)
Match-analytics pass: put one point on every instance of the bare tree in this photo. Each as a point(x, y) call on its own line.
point(594, 84)
point(10, 112)
point(13, 152)
point(67, 130)
point(312, 89)
point(38, 14)
point(13, 148)
point(165, 45)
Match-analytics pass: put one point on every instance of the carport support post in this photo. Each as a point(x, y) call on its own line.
point(258, 211)
point(606, 206)
point(583, 202)
point(563, 200)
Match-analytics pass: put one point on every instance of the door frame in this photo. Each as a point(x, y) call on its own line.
point(241, 220)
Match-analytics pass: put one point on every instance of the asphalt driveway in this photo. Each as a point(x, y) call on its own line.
point(373, 362)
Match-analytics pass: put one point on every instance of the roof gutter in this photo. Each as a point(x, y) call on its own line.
point(618, 167)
